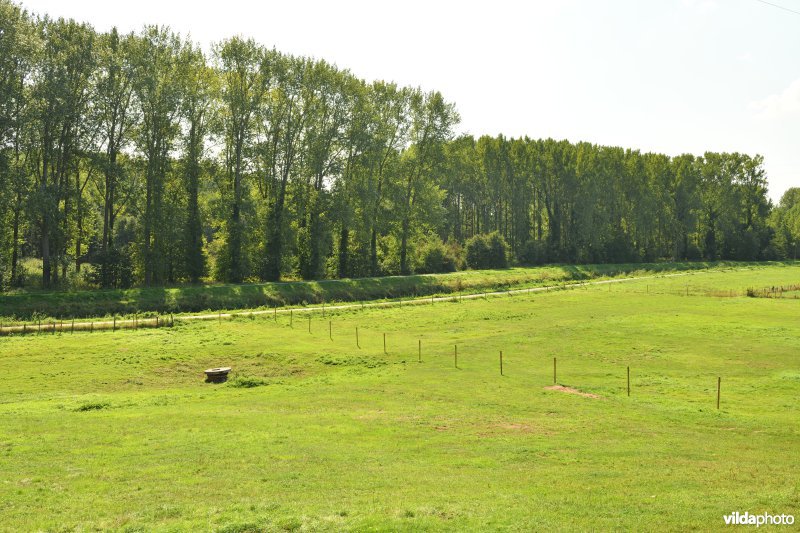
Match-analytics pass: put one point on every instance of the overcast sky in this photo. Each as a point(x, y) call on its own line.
point(671, 76)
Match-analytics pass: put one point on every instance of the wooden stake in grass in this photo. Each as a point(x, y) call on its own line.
point(330, 329)
point(323, 309)
point(420, 352)
point(275, 313)
point(114, 327)
point(554, 370)
point(501, 362)
point(309, 323)
point(629, 381)
point(719, 386)
point(73, 325)
point(384, 343)
point(357, 343)
point(291, 318)
point(455, 356)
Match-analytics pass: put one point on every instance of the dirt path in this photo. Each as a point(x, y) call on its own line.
point(168, 320)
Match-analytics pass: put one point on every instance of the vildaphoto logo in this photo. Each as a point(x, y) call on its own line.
point(747, 519)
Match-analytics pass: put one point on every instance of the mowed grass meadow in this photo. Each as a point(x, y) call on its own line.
point(118, 430)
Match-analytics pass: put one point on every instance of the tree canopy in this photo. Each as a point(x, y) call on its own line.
point(136, 159)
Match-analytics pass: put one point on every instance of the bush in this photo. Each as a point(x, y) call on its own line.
point(487, 251)
point(435, 256)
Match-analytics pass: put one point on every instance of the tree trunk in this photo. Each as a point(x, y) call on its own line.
point(344, 243)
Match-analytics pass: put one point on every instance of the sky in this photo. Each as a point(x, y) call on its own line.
point(670, 76)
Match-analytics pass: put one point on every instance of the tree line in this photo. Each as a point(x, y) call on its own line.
point(139, 159)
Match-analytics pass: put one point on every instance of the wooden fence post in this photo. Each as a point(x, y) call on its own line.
point(629, 381)
point(554, 370)
point(501, 362)
point(719, 386)
point(419, 357)
point(357, 343)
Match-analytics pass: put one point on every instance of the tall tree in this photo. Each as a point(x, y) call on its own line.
point(116, 114)
point(239, 62)
point(201, 88)
point(432, 125)
point(158, 86)
point(60, 96)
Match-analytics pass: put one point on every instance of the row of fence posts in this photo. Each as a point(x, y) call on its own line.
point(455, 359)
point(55, 325)
point(459, 297)
point(171, 322)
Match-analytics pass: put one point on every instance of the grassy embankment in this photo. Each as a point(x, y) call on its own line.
point(118, 431)
point(31, 305)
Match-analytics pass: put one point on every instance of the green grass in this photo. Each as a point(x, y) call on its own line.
point(119, 431)
point(32, 304)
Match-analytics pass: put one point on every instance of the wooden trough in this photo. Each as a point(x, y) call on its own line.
point(217, 375)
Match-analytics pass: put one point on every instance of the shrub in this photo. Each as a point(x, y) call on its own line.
point(487, 251)
point(434, 256)
point(535, 252)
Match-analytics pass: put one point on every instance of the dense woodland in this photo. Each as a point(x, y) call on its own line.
point(139, 159)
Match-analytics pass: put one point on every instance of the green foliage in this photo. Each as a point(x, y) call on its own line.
point(434, 256)
point(487, 251)
point(317, 173)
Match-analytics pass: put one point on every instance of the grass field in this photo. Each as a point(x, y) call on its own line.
point(119, 431)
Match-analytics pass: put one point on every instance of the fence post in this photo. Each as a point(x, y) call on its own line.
point(384, 343)
point(629, 381)
point(420, 351)
point(455, 355)
point(501, 362)
point(357, 343)
point(554, 371)
point(719, 386)
point(330, 329)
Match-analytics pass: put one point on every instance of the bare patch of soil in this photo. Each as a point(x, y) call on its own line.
point(570, 390)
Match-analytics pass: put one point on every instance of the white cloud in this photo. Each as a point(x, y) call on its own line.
point(778, 105)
